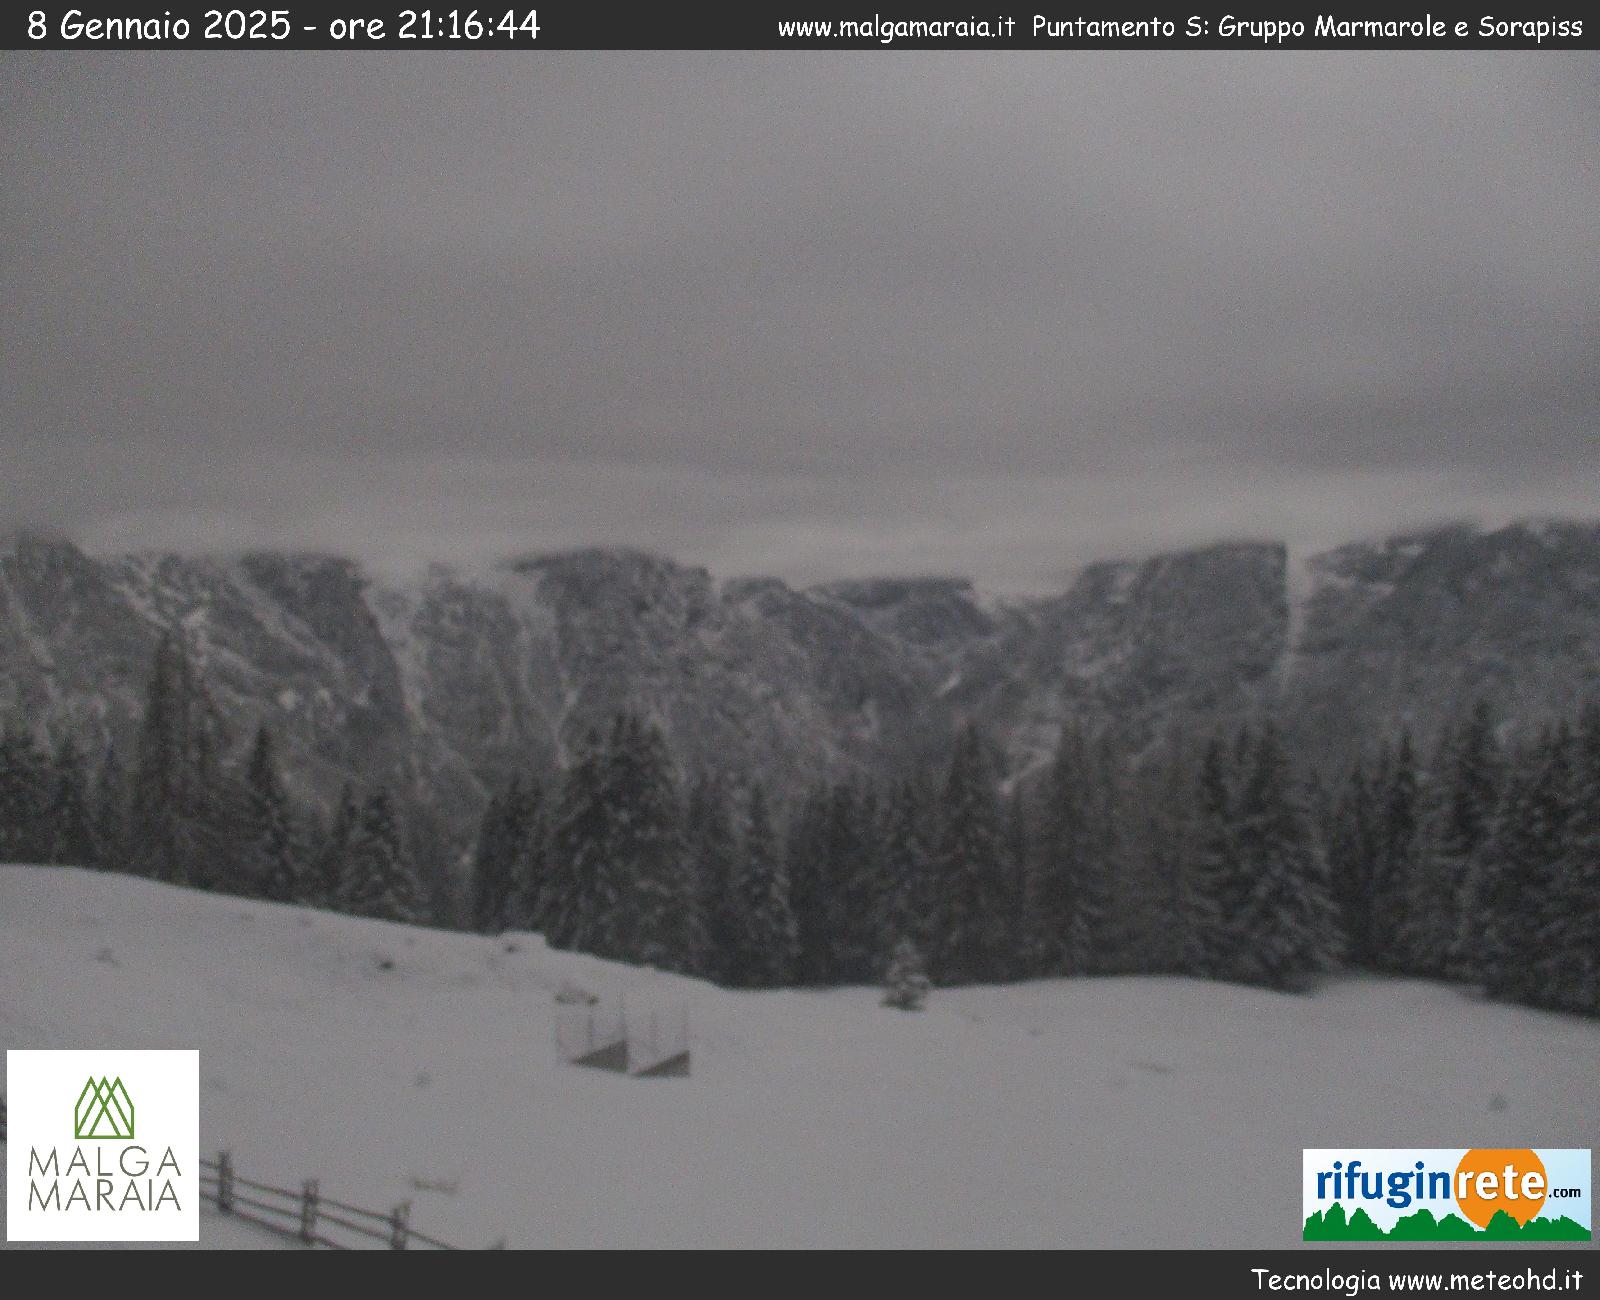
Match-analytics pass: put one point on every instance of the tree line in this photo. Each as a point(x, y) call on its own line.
point(180, 811)
point(1217, 858)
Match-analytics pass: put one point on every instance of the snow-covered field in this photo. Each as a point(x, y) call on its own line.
point(1106, 1112)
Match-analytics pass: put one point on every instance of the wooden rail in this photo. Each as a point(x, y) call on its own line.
point(306, 1215)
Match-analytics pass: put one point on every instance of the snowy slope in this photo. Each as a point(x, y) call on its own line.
point(1089, 1112)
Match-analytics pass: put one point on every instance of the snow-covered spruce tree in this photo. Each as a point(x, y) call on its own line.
point(1352, 840)
point(491, 867)
point(851, 867)
point(905, 984)
point(806, 854)
point(530, 868)
point(1569, 934)
point(163, 780)
point(273, 859)
point(1470, 777)
point(378, 880)
point(1217, 873)
point(768, 944)
point(501, 854)
point(1456, 812)
point(1164, 911)
point(70, 823)
point(711, 850)
point(905, 899)
point(1541, 921)
point(581, 884)
point(179, 827)
point(218, 822)
point(969, 933)
point(1288, 925)
point(111, 813)
point(1016, 857)
point(1059, 902)
point(1506, 874)
point(332, 857)
point(1113, 943)
point(1399, 851)
point(25, 798)
point(659, 922)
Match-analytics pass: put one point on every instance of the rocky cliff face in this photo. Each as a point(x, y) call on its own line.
point(445, 686)
point(1411, 630)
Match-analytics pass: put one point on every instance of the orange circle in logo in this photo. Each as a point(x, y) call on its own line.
point(1496, 1178)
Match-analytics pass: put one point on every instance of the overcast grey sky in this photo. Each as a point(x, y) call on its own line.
point(994, 314)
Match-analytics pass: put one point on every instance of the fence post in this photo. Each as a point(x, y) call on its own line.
point(308, 1212)
point(399, 1223)
point(225, 1182)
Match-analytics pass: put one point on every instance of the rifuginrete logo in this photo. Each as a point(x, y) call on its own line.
point(1446, 1194)
point(128, 1173)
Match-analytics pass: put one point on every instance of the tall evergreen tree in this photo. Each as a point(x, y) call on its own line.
point(1469, 778)
point(178, 824)
point(1061, 906)
point(1288, 926)
point(273, 866)
point(1167, 913)
point(502, 858)
point(969, 933)
point(25, 798)
point(660, 922)
point(851, 863)
point(1455, 807)
point(1399, 853)
point(1504, 877)
point(1531, 847)
point(530, 868)
point(1567, 937)
point(1016, 866)
point(768, 942)
point(806, 851)
point(378, 880)
point(70, 822)
point(331, 861)
point(581, 881)
point(1219, 882)
point(1353, 847)
point(905, 904)
point(111, 813)
point(711, 850)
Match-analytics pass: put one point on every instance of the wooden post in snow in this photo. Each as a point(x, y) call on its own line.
point(399, 1224)
point(225, 1182)
point(308, 1212)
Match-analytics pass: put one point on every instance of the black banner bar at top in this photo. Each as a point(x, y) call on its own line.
point(803, 25)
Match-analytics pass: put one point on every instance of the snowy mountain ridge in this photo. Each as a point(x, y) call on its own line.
point(445, 685)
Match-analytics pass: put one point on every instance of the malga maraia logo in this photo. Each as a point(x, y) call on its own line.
point(1461, 1194)
point(102, 1145)
point(104, 1109)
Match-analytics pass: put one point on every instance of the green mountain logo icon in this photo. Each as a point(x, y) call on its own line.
point(104, 1110)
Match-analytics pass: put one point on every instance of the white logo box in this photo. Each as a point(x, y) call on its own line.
point(106, 1188)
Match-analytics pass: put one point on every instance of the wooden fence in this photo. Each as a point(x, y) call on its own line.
point(307, 1215)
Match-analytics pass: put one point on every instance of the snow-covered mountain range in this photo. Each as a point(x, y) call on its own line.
point(444, 686)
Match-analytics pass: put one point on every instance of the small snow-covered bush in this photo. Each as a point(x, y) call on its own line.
point(905, 986)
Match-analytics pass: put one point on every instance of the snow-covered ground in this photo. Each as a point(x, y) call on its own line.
point(1107, 1112)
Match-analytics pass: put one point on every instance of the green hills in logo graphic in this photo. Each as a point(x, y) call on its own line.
point(1422, 1226)
point(104, 1110)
